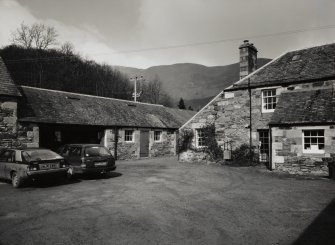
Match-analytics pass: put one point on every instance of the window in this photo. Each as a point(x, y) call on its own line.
point(200, 138)
point(313, 141)
point(96, 151)
point(128, 135)
point(269, 100)
point(157, 135)
point(75, 151)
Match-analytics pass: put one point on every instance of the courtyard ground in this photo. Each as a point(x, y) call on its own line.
point(161, 201)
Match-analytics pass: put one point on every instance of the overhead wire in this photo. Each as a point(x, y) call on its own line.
point(179, 45)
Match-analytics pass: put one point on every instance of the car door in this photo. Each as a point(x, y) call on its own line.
point(74, 158)
point(7, 160)
point(3, 161)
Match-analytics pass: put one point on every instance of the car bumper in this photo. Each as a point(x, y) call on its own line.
point(47, 172)
point(95, 170)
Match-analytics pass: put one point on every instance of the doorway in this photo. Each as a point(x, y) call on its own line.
point(264, 150)
point(144, 143)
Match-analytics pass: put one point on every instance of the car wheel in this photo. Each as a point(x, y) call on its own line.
point(16, 180)
point(70, 173)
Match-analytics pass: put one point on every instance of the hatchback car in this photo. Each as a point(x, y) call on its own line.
point(87, 158)
point(20, 165)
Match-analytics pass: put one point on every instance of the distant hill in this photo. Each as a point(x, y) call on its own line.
point(197, 84)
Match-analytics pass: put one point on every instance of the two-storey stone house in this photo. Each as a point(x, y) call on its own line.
point(285, 109)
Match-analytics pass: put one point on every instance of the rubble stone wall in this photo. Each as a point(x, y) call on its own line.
point(287, 150)
point(12, 133)
point(131, 150)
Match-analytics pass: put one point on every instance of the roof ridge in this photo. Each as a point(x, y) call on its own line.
point(88, 95)
point(310, 47)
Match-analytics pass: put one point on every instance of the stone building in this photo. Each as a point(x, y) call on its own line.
point(35, 117)
point(255, 110)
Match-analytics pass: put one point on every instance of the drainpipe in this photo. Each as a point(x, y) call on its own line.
point(250, 119)
point(116, 139)
point(270, 153)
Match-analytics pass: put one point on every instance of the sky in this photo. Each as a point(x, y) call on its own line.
point(119, 32)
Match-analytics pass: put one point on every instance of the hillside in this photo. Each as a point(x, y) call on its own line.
point(197, 84)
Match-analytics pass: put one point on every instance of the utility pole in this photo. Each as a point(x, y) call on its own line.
point(135, 79)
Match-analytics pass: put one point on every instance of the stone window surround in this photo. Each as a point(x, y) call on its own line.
point(312, 151)
point(262, 97)
point(157, 135)
point(129, 135)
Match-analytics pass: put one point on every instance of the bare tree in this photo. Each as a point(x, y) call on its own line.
point(67, 48)
point(155, 88)
point(37, 36)
point(22, 36)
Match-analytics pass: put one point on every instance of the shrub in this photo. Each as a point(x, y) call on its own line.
point(184, 140)
point(211, 145)
point(245, 156)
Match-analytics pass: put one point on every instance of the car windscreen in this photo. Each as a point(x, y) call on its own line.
point(39, 154)
point(96, 151)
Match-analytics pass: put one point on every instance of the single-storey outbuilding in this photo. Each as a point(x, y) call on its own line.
point(36, 117)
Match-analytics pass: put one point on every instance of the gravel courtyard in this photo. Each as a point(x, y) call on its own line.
point(161, 201)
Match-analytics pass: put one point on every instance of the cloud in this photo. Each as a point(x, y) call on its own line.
point(86, 39)
point(98, 30)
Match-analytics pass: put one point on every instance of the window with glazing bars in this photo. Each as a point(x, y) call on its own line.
point(314, 140)
point(200, 140)
point(157, 135)
point(269, 100)
point(128, 135)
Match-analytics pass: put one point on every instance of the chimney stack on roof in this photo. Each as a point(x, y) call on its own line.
point(248, 58)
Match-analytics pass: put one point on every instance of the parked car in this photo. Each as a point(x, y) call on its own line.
point(87, 158)
point(20, 165)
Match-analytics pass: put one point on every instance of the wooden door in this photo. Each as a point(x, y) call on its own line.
point(144, 143)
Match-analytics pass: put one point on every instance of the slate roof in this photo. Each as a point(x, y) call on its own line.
point(301, 65)
point(50, 106)
point(305, 107)
point(7, 85)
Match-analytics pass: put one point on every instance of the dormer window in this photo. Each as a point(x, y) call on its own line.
point(269, 100)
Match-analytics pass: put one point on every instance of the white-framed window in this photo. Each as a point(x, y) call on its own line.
point(199, 138)
point(313, 141)
point(157, 135)
point(129, 135)
point(269, 100)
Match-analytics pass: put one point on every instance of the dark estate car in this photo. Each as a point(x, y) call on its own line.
point(20, 165)
point(87, 158)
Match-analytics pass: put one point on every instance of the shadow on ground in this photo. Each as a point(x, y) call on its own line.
point(98, 176)
point(61, 181)
point(321, 230)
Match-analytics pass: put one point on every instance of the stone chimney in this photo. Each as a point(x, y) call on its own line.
point(248, 58)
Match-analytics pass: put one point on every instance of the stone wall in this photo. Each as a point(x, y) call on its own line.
point(230, 112)
point(165, 147)
point(12, 133)
point(131, 150)
point(287, 150)
point(8, 121)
